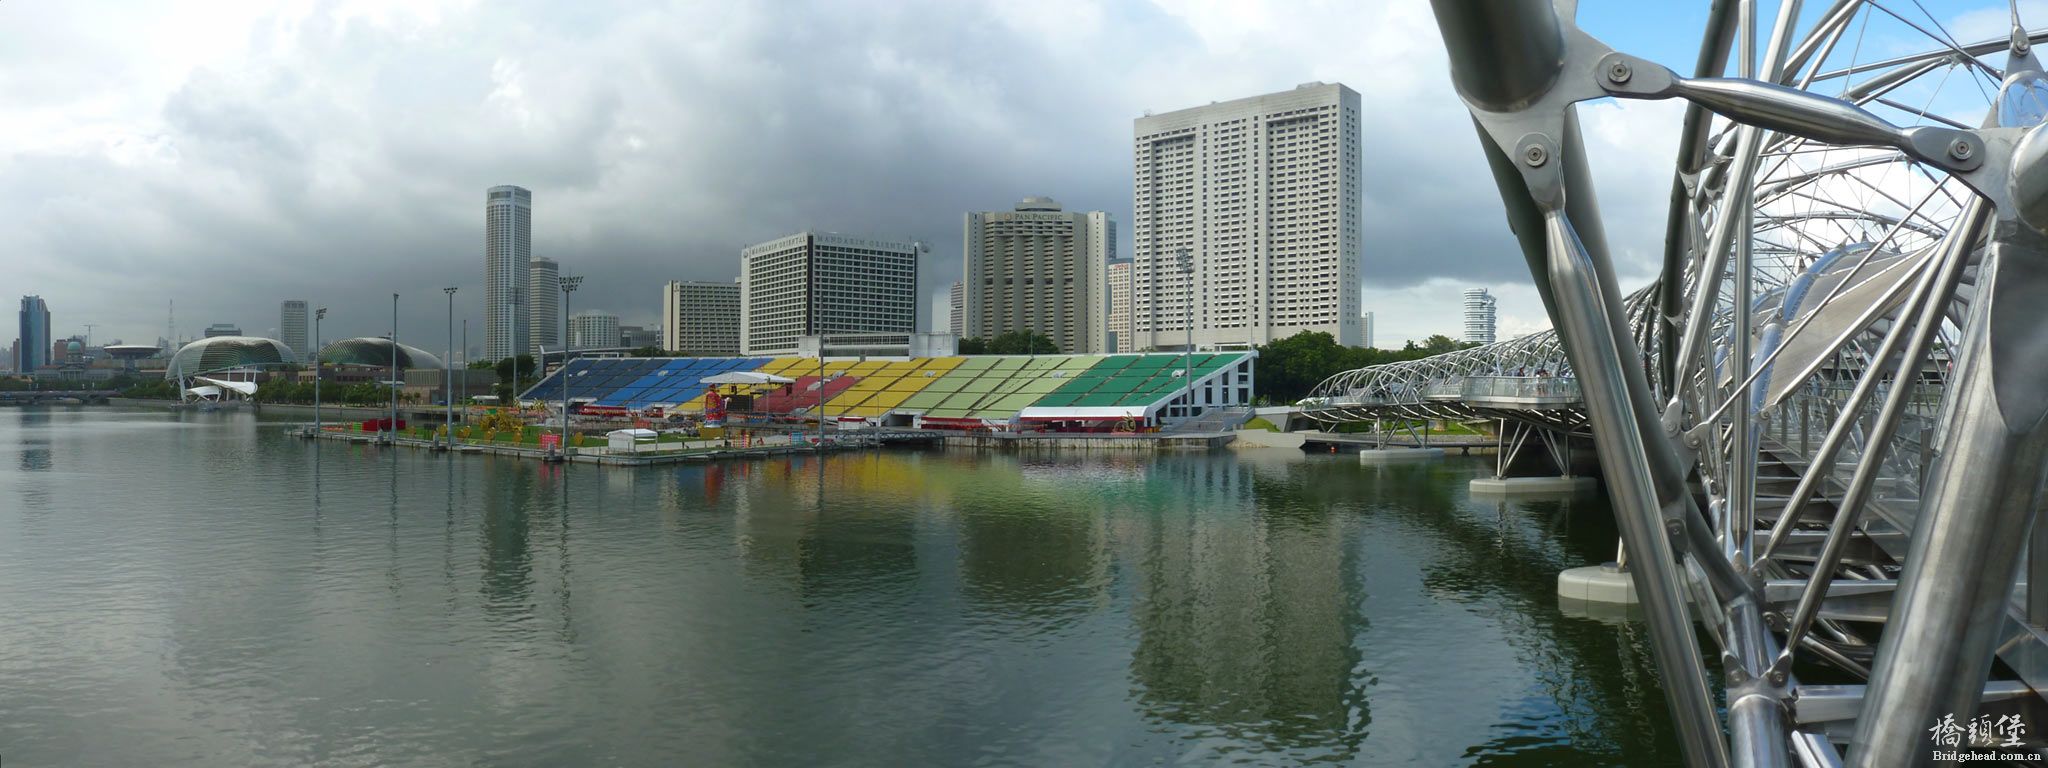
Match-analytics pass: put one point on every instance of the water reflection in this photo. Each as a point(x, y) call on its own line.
point(503, 533)
point(910, 608)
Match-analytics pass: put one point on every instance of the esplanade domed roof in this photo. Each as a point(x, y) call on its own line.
point(376, 351)
point(221, 353)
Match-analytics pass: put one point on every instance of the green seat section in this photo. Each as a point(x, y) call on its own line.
point(1040, 386)
point(925, 400)
point(961, 401)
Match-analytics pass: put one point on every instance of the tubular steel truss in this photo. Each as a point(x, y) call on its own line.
point(1821, 428)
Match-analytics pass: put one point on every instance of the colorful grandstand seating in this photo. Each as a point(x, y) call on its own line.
point(963, 389)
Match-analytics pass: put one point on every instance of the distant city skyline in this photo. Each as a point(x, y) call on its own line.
point(275, 144)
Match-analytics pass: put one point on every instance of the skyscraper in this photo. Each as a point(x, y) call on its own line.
point(33, 346)
point(1479, 316)
point(701, 318)
point(291, 327)
point(1039, 269)
point(1367, 341)
point(508, 249)
point(593, 330)
point(1264, 194)
point(1120, 305)
point(544, 317)
point(819, 283)
point(956, 322)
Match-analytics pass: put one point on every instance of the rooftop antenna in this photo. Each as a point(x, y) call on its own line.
point(88, 334)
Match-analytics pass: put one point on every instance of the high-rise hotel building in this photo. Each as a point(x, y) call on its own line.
point(812, 283)
point(1264, 195)
point(1039, 269)
point(508, 250)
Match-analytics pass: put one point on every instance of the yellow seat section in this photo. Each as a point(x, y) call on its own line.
point(780, 364)
point(890, 399)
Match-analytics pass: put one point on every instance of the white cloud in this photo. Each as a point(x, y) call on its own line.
point(237, 154)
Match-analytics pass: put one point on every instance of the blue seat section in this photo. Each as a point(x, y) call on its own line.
point(622, 382)
point(637, 382)
point(552, 385)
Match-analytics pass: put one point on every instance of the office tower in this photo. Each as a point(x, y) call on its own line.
point(810, 284)
point(1120, 305)
point(1039, 269)
point(957, 320)
point(1264, 195)
point(508, 253)
point(1367, 341)
point(291, 328)
point(1479, 316)
point(593, 330)
point(33, 346)
point(637, 336)
point(544, 304)
point(223, 329)
point(701, 318)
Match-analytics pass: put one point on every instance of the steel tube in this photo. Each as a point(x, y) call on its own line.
point(1596, 360)
point(1692, 153)
point(1505, 54)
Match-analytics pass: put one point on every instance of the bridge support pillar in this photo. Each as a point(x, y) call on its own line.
point(1599, 592)
point(1398, 455)
point(1510, 486)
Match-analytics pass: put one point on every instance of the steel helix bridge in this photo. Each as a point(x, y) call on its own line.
point(1821, 426)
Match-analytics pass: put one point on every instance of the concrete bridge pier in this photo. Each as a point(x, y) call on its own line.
point(1380, 453)
point(1514, 439)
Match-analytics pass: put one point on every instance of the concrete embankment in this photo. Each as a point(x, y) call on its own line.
point(693, 454)
point(1260, 438)
point(1205, 441)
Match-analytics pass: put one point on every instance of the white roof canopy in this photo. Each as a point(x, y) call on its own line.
point(747, 377)
point(244, 387)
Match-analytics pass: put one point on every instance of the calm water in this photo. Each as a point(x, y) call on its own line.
point(198, 589)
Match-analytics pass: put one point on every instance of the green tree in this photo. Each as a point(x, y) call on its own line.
point(1022, 342)
point(1438, 344)
point(649, 351)
point(516, 372)
point(973, 347)
point(1288, 368)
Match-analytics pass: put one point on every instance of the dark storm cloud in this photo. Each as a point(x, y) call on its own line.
point(338, 151)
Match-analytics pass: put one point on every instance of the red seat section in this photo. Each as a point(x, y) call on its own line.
point(802, 394)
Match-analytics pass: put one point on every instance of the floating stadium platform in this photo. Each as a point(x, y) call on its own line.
point(979, 391)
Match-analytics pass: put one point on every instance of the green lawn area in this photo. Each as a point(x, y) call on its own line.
point(1259, 422)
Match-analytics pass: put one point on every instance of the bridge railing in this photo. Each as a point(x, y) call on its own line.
point(1528, 390)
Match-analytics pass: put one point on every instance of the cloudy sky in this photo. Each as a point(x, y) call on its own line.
point(229, 155)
